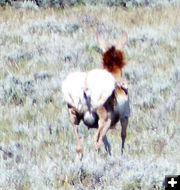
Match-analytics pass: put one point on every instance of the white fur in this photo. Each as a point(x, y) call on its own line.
point(98, 84)
point(72, 89)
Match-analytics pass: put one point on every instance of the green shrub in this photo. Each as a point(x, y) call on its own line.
point(4, 2)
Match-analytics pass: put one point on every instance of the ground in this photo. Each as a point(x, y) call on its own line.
point(38, 48)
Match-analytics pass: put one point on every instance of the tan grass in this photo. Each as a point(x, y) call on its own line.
point(40, 125)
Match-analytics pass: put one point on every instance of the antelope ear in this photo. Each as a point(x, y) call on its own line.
point(123, 41)
point(102, 43)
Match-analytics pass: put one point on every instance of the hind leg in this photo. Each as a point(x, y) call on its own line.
point(74, 118)
point(103, 126)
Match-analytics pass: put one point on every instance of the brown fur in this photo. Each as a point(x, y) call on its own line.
point(113, 60)
point(119, 91)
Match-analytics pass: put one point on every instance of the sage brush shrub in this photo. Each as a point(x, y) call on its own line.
point(67, 3)
point(38, 49)
point(4, 2)
point(30, 5)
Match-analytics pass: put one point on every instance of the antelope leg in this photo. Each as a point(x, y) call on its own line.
point(124, 124)
point(78, 145)
point(107, 145)
point(75, 120)
point(103, 126)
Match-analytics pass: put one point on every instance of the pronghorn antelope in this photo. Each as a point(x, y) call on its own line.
point(99, 97)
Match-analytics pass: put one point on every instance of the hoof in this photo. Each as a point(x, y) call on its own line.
point(122, 151)
point(97, 147)
point(80, 153)
point(79, 150)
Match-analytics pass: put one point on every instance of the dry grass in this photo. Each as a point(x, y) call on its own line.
point(38, 49)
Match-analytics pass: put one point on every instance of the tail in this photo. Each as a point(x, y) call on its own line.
point(90, 118)
point(88, 101)
point(113, 60)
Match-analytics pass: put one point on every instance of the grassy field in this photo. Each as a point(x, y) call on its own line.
point(38, 48)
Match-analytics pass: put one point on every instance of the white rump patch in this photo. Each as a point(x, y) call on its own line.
point(73, 90)
point(98, 84)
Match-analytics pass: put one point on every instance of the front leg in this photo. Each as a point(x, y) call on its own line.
point(75, 118)
point(124, 124)
point(78, 145)
point(107, 145)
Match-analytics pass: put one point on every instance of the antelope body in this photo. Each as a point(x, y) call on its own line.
point(99, 97)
